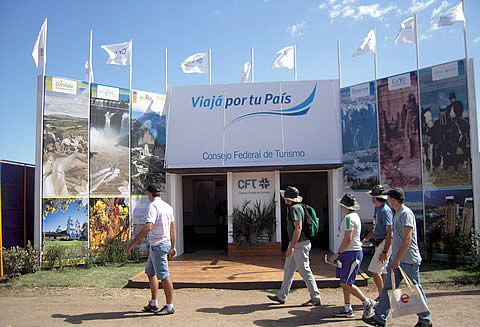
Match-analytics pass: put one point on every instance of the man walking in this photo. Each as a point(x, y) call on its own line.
point(380, 237)
point(405, 254)
point(297, 255)
point(160, 227)
point(350, 256)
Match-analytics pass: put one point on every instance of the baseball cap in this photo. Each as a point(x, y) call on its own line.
point(396, 193)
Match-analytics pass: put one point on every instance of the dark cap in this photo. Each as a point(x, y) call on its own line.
point(452, 96)
point(396, 193)
point(154, 189)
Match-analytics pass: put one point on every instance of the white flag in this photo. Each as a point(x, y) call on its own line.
point(39, 52)
point(284, 58)
point(368, 44)
point(197, 63)
point(452, 15)
point(245, 72)
point(119, 53)
point(407, 31)
point(89, 72)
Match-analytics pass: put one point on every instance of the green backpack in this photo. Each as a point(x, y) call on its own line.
point(310, 223)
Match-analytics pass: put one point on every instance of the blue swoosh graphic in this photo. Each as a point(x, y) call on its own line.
point(298, 110)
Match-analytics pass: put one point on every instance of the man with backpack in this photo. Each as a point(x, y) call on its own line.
point(297, 254)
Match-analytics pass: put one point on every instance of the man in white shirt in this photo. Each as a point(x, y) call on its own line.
point(160, 227)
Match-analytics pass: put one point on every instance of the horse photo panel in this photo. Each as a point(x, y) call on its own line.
point(65, 138)
point(109, 141)
point(445, 126)
point(399, 131)
point(360, 137)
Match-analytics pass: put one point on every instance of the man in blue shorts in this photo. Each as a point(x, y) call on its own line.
point(160, 227)
point(405, 254)
point(349, 257)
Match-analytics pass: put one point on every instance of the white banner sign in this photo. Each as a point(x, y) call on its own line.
point(360, 91)
point(64, 85)
point(399, 82)
point(107, 92)
point(256, 124)
point(148, 101)
point(445, 71)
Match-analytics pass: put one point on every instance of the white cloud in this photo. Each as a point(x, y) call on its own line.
point(418, 6)
point(477, 39)
point(296, 30)
point(322, 5)
point(439, 10)
point(332, 2)
point(373, 11)
point(344, 2)
point(348, 11)
point(424, 36)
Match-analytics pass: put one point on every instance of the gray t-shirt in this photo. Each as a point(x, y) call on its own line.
point(405, 217)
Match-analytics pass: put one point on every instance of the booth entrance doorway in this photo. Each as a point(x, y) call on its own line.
point(205, 213)
point(313, 187)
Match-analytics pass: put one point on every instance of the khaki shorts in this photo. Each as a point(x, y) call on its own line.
point(376, 266)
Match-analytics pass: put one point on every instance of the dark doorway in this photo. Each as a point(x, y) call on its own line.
point(313, 187)
point(205, 213)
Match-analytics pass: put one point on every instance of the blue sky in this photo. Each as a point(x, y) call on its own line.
point(229, 27)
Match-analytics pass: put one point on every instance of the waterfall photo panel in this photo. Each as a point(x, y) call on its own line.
point(65, 223)
point(65, 138)
point(148, 141)
point(445, 126)
point(399, 131)
point(109, 141)
point(109, 218)
point(359, 134)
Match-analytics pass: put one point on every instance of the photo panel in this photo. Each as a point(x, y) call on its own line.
point(148, 141)
point(445, 126)
point(65, 223)
point(109, 141)
point(360, 137)
point(65, 138)
point(449, 219)
point(139, 213)
point(399, 131)
point(109, 218)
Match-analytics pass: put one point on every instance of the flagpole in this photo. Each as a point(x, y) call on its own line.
point(251, 60)
point(130, 136)
point(45, 57)
point(166, 85)
point(376, 102)
point(465, 31)
point(210, 66)
point(339, 66)
point(295, 61)
point(90, 69)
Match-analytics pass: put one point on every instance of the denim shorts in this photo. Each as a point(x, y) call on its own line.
point(157, 263)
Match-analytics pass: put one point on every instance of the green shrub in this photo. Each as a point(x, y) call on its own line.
point(18, 260)
point(54, 255)
point(113, 251)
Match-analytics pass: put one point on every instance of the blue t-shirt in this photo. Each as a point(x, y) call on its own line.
point(384, 217)
point(405, 217)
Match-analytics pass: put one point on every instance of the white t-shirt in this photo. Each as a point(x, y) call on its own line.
point(351, 222)
point(160, 214)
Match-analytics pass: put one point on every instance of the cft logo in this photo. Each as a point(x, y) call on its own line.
point(254, 183)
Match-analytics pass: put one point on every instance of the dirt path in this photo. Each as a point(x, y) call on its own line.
point(453, 306)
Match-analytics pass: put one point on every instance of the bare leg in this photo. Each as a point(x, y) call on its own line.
point(347, 298)
point(354, 290)
point(168, 290)
point(153, 281)
point(379, 282)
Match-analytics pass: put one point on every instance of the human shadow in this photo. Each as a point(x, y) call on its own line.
point(453, 293)
point(78, 319)
point(316, 316)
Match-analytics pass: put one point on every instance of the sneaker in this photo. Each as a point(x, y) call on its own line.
point(368, 309)
point(276, 299)
point(150, 308)
point(423, 324)
point(314, 302)
point(344, 313)
point(165, 311)
point(373, 322)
